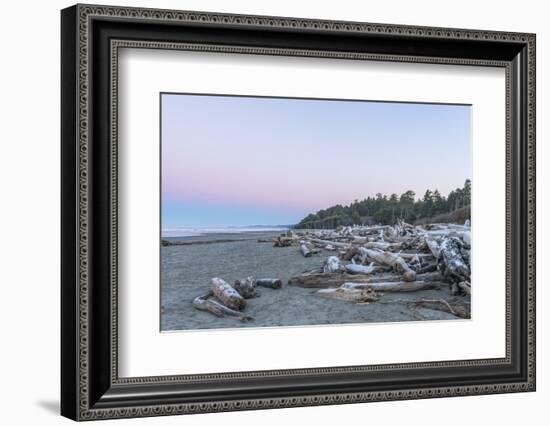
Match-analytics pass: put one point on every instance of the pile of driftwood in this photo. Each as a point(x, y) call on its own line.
point(363, 263)
point(371, 260)
point(223, 299)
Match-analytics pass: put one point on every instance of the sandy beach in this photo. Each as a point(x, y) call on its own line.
point(186, 271)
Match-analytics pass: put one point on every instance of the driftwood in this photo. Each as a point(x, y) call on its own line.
point(332, 243)
point(453, 307)
point(282, 242)
point(332, 264)
point(269, 283)
point(305, 250)
point(246, 288)
point(399, 286)
point(383, 245)
point(413, 256)
point(350, 294)
point(227, 294)
point(352, 268)
point(204, 303)
point(430, 267)
point(393, 260)
point(451, 263)
point(465, 287)
point(352, 253)
point(336, 279)
point(323, 280)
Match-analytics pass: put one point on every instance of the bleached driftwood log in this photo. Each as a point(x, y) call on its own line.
point(246, 288)
point(204, 303)
point(399, 286)
point(350, 294)
point(305, 250)
point(352, 268)
point(274, 283)
point(393, 260)
point(433, 246)
point(227, 294)
point(328, 280)
point(451, 263)
point(332, 264)
point(336, 244)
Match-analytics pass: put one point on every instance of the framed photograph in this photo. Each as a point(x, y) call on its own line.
point(263, 212)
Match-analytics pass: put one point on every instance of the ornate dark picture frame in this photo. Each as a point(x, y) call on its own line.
point(91, 37)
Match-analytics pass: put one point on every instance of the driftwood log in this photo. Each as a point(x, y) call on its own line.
point(398, 286)
point(350, 294)
point(332, 264)
point(246, 288)
point(304, 249)
point(465, 287)
point(282, 242)
point(352, 268)
point(336, 279)
point(396, 262)
point(451, 263)
point(354, 252)
point(274, 283)
point(204, 303)
point(380, 245)
point(227, 294)
point(336, 244)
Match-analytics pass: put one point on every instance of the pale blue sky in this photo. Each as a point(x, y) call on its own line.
point(249, 161)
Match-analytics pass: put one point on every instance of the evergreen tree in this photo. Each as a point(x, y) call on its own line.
point(387, 210)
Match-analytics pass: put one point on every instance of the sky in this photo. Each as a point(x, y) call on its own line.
point(237, 161)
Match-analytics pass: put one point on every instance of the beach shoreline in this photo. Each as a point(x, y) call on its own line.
point(186, 271)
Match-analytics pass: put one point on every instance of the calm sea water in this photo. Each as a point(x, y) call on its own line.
point(198, 231)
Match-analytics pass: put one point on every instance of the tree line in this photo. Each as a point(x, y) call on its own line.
point(385, 210)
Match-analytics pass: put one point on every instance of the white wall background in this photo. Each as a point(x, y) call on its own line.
point(29, 214)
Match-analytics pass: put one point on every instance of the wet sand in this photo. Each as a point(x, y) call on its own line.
point(186, 271)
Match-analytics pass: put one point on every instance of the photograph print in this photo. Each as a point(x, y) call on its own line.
point(279, 212)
